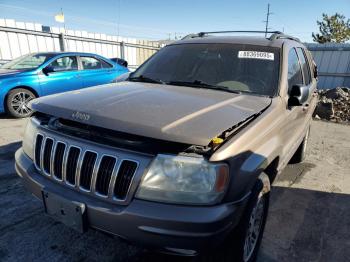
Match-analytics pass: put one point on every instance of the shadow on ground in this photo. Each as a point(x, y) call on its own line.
point(307, 225)
point(7, 154)
point(4, 116)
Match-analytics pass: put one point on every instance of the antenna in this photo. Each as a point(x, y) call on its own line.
point(267, 19)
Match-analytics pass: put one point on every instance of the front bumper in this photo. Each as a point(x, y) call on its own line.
point(164, 227)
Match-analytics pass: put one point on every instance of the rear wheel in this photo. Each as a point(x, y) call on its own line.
point(17, 102)
point(299, 155)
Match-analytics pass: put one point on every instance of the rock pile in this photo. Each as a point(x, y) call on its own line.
point(334, 105)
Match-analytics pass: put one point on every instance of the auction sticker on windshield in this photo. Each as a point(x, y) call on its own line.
point(256, 55)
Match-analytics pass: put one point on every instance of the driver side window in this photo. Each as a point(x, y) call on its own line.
point(295, 76)
point(66, 63)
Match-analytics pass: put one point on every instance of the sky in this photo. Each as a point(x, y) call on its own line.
point(160, 19)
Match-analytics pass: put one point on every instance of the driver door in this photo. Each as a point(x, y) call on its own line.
point(63, 75)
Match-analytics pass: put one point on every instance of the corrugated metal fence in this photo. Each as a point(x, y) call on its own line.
point(333, 62)
point(19, 38)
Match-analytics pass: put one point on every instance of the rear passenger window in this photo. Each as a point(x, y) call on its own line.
point(304, 65)
point(105, 64)
point(294, 71)
point(90, 63)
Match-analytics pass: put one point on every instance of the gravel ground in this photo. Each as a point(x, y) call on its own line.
point(308, 219)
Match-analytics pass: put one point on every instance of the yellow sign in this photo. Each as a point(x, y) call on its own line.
point(59, 18)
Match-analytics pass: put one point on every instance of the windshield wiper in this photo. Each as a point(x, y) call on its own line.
point(145, 79)
point(201, 84)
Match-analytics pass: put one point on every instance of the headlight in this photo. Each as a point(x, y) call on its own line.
point(188, 180)
point(29, 137)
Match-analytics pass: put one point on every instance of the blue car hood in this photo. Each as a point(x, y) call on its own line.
point(11, 72)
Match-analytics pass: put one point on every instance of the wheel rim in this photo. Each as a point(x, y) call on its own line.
point(254, 228)
point(19, 103)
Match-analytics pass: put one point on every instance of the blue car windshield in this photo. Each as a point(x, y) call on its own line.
point(227, 67)
point(28, 61)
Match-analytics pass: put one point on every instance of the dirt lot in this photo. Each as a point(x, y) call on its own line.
point(308, 220)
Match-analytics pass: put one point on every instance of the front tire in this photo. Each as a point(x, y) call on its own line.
point(251, 227)
point(17, 102)
point(244, 242)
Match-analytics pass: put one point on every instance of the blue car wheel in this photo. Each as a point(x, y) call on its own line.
point(17, 102)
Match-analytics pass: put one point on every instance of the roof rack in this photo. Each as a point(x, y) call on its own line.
point(283, 36)
point(201, 34)
point(274, 34)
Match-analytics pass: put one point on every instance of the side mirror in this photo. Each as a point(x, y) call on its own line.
point(49, 69)
point(298, 95)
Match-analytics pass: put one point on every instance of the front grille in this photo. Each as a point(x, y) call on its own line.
point(87, 168)
point(124, 177)
point(104, 175)
point(37, 154)
point(90, 171)
point(47, 155)
point(58, 160)
point(72, 163)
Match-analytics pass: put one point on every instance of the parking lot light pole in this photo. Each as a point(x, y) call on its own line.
point(122, 50)
point(62, 42)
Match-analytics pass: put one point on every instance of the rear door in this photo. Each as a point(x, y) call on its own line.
point(65, 76)
point(96, 71)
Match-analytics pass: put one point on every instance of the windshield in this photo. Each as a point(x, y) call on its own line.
point(234, 67)
point(28, 61)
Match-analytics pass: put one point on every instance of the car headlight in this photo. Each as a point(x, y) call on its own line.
point(187, 180)
point(29, 137)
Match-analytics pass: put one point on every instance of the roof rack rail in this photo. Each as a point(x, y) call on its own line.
point(201, 34)
point(283, 36)
point(274, 34)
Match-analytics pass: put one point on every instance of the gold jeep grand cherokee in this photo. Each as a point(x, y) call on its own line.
point(180, 156)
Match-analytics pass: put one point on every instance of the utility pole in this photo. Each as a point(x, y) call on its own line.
point(267, 19)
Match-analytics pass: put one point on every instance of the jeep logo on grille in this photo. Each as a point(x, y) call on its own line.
point(80, 116)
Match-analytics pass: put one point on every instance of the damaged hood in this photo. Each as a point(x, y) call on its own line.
point(173, 113)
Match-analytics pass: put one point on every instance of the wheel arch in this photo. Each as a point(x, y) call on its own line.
point(272, 169)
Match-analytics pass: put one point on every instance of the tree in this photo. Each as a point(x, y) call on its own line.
point(333, 28)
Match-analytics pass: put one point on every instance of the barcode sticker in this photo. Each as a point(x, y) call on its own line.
point(256, 55)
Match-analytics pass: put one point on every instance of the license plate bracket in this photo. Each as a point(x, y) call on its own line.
point(70, 213)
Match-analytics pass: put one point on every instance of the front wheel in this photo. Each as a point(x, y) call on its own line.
point(244, 242)
point(17, 102)
point(249, 233)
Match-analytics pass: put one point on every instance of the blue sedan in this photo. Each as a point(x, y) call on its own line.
point(41, 74)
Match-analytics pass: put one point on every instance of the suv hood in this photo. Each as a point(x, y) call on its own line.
point(173, 113)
